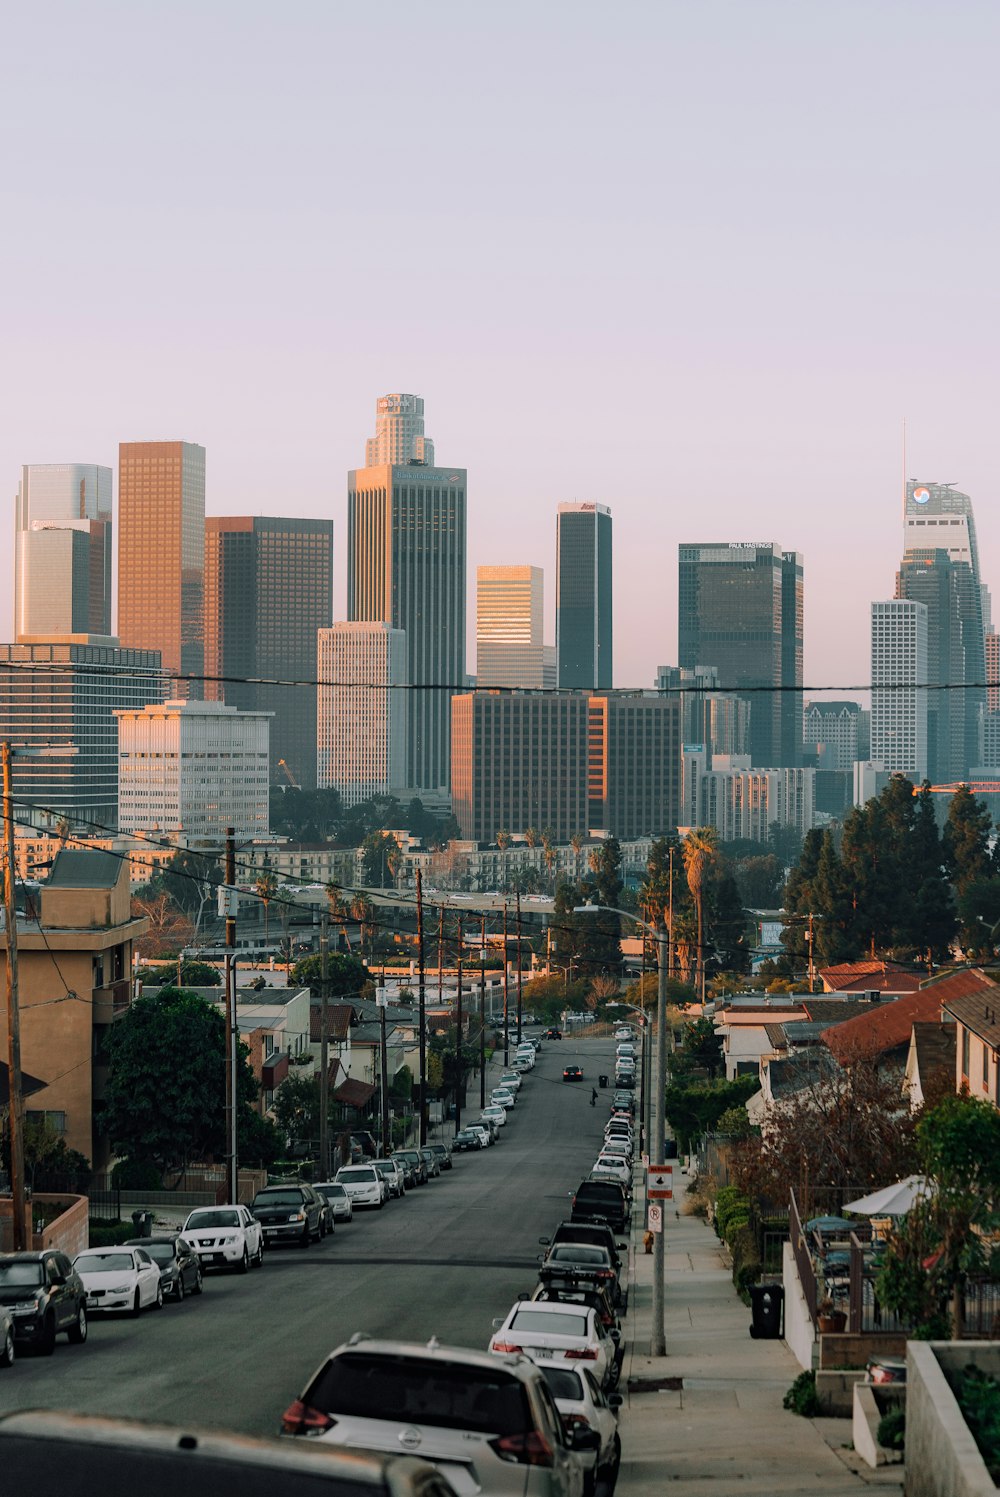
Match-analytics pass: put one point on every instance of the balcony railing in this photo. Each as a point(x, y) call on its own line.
point(111, 1002)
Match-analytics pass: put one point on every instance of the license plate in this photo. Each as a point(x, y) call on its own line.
point(541, 1351)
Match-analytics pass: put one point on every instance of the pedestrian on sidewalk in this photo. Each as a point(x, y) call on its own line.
point(593, 1096)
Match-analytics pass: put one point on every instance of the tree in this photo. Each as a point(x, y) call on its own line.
point(265, 887)
point(192, 974)
point(966, 839)
point(166, 1091)
point(338, 909)
point(944, 1238)
point(702, 1048)
point(169, 930)
point(345, 975)
point(189, 879)
point(695, 1107)
point(375, 851)
point(760, 879)
point(700, 850)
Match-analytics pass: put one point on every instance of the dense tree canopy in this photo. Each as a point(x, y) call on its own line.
point(346, 975)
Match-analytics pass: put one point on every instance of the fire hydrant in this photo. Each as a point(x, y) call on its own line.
point(647, 1241)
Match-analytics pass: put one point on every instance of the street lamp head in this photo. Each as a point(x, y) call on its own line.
point(586, 909)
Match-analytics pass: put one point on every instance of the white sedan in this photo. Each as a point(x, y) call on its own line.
point(548, 1331)
point(511, 1081)
point(365, 1185)
point(501, 1097)
point(497, 1113)
point(611, 1167)
point(580, 1401)
point(119, 1278)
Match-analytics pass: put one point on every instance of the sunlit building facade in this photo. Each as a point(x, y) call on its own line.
point(362, 711)
point(62, 550)
point(510, 645)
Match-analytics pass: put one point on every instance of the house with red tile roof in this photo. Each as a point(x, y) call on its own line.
point(870, 977)
point(972, 1000)
point(883, 1032)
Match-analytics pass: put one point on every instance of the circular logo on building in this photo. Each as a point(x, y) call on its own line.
point(921, 496)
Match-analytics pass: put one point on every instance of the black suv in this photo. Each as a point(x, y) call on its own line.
point(290, 1213)
point(179, 1264)
point(602, 1201)
point(45, 1295)
point(413, 1161)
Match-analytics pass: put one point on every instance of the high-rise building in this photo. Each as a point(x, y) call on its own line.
point(361, 717)
point(583, 597)
point(955, 658)
point(899, 690)
point(62, 550)
point(510, 643)
point(406, 568)
point(830, 731)
point(268, 589)
point(62, 695)
point(740, 610)
point(193, 769)
point(718, 720)
point(992, 643)
point(568, 763)
point(744, 803)
point(161, 555)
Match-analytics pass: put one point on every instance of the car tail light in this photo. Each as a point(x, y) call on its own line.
point(505, 1346)
point(585, 1354)
point(531, 1449)
point(574, 1421)
point(300, 1419)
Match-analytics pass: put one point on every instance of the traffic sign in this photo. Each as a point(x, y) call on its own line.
point(654, 1218)
point(660, 1184)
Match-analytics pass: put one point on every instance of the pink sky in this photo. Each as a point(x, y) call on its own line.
point(692, 261)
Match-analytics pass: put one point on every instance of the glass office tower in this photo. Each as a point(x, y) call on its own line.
point(62, 550)
point(583, 597)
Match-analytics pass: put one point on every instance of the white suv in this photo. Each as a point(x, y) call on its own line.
point(364, 1185)
point(225, 1237)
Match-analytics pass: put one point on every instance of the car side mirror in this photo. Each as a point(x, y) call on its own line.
point(616, 1337)
point(622, 1247)
point(544, 1241)
point(615, 1400)
point(524, 1294)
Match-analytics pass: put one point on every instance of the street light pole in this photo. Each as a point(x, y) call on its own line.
point(422, 1009)
point(16, 1108)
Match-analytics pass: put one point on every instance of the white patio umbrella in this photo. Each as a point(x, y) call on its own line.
point(891, 1200)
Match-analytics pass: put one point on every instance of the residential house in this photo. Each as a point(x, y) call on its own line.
point(886, 978)
point(882, 1031)
point(973, 1002)
point(930, 1064)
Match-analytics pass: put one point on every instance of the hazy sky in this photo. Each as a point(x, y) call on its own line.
point(693, 260)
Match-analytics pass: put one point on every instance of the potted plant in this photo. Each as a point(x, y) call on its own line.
point(830, 1319)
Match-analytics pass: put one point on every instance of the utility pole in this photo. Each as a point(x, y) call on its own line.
point(670, 952)
point(324, 1050)
point(520, 989)
point(440, 955)
point(382, 1001)
point(16, 1109)
point(482, 1014)
point(459, 1082)
point(231, 1087)
point(812, 964)
point(506, 990)
point(657, 1340)
point(422, 1009)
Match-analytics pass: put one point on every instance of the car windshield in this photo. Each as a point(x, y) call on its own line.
point(289, 1197)
point(573, 1252)
point(332, 1192)
point(384, 1166)
point(209, 1218)
point(465, 1135)
point(13, 1275)
point(363, 1172)
point(160, 1252)
point(563, 1384)
point(550, 1325)
point(417, 1390)
point(103, 1263)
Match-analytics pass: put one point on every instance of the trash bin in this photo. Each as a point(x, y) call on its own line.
point(766, 1304)
point(142, 1221)
point(602, 1081)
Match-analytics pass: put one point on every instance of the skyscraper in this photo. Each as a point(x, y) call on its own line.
point(268, 589)
point(510, 643)
point(161, 555)
point(406, 567)
point(899, 692)
point(62, 550)
point(583, 597)
point(361, 716)
point(740, 610)
point(955, 658)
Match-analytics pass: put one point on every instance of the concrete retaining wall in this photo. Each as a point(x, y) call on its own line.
point(942, 1458)
point(867, 1418)
point(847, 1350)
point(800, 1336)
point(70, 1230)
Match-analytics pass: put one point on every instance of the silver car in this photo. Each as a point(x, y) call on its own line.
point(6, 1337)
point(488, 1423)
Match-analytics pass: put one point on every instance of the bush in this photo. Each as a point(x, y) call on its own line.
point(891, 1433)
point(136, 1174)
point(747, 1267)
point(736, 1222)
point(110, 1234)
point(729, 1207)
point(979, 1399)
point(802, 1397)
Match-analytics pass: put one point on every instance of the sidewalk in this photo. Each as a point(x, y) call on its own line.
point(721, 1427)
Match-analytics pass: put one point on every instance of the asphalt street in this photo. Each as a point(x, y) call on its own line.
point(442, 1262)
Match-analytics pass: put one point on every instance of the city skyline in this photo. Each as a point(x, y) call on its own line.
point(697, 312)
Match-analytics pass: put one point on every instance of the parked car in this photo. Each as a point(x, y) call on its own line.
point(336, 1197)
point(432, 1162)
point(119, 1278)
point(573, 1073)
point(498, 1115)
point(623, 1032)
point(393, 1174)
point(43, 1452)
point(225, 1237)
point(501, 1097)
point(620, 1147)
point(364, 1184)
point(553, 1034)
point(416, 1162)
point(597, 1234)
point(585, 1292)
point(291, 1212)
point(443, 1153)
point(557, 1333)
point(45, 1295)
point(7, 1352)
point(623, 1101)
point(487, 1131)
point(467, 1140)
point(180, 1271)
point(603, 1201)
point(581, 1402)
point(488, 1423)
point(580, 1262)
point(512, 1080)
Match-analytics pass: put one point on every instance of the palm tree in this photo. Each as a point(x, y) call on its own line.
point(338, 909)
point(504, 840)
point(531, 836)
point(363, 910)
point(548, 837)
point(701, 850)
point(265, 887)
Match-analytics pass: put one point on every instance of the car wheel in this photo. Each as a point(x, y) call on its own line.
point(136, 1304)
point(260, 1253)
point(47, 1345)
point(180, 1288)
point(199, 1286)
point(306, 1237)
point(608, 1473)
point(7, 1354)
point(78, 1331)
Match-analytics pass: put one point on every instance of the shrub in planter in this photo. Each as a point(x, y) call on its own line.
point(736, 1223)
point(802, 1397)
point(109, 1234)
point(738, 1206)
point(891, 1432)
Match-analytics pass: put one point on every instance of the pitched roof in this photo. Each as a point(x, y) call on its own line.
point(776, 1035)
point(883, 1026)
point(964, 983)
point(799, 1071)
point(935, 1047)
point(338, 1021)
point(972, 999)
point(353, 1093)
point(869, 976)
point(835, 1010)
point(84, 868)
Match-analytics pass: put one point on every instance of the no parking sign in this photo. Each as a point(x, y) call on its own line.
point(654, 1217)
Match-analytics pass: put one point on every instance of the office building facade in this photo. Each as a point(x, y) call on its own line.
point(362, 711)
point(830, 733)
point(62, 551)
point(741, 802)
point(268, 590)
point(406, 567)
point(740, 610)
point(584, 622)
point(716, 719)
point(193, 768)
point(955, 658)
point(607, 761)
point(161, 556)
point(62, 695)
point(510, 643)
point(899, 691)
